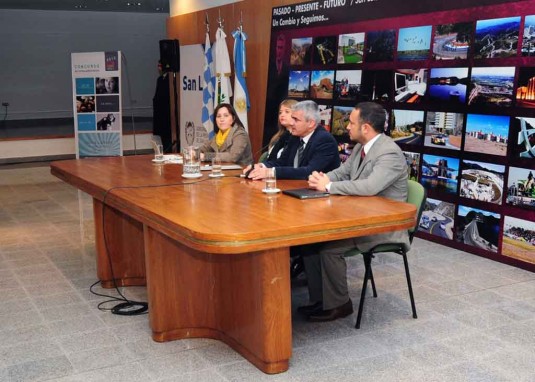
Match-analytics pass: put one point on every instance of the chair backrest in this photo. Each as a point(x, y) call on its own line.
point(417, 196)
point(263, 157)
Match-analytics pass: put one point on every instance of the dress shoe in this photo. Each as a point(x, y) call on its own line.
point(332, 314)
point(307, 310)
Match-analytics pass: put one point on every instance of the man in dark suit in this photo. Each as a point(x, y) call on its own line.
point(310, 148)
point(376, 166)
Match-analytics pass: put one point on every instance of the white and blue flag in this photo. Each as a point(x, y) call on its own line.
point(241, 95)
point(207, 112)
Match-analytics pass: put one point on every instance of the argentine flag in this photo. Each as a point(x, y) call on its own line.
point(207, 116)
point(241, 95)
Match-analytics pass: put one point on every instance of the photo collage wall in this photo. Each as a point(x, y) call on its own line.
point(459, 90)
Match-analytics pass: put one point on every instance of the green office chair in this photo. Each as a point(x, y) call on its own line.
point(263, 157)
point(416, 196)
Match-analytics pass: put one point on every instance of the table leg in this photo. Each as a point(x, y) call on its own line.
point(120, 252)
point(240, 299)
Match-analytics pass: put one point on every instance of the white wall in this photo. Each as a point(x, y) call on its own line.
point(35, 54)
point(182, 7)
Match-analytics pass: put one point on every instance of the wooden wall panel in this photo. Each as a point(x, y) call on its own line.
point(190, 29)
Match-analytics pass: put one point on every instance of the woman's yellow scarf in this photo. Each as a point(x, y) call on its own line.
point(220, 137)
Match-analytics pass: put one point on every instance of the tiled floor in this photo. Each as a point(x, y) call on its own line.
point(476, 317)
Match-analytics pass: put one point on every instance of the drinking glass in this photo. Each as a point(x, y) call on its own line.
point(271, 180)
point(216, 166)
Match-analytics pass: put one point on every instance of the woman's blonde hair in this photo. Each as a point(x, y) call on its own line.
point(287, 103)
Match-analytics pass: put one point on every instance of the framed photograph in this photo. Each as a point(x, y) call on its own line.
point(482, 181)
point(321, 84)
point(414, 43)
point(406, 126)
point(440, 173)
point(324, 50)
point(478, 228)
point(298, 84)
point(410, 85)
point(326, 112)
point(443, 130)
point(519, 239)
point(496, 38)
point(380, 46)
point(350, 48)
point(492, 86)
point(452, 41)
point(437, 218)
point(413, 164)
point(528, 38)
point(524, 135)
point(347, 85)
point(448, 85)
point(487, 134)
point(376, 85)
point(340, 120)
point(300, 53)
point(525, 91)
point(521, 188)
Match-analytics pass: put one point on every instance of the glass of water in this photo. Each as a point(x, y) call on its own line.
point(158, 153)
point(271, 181)
point(216, 166)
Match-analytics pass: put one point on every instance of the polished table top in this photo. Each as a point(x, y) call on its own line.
point(228, 214)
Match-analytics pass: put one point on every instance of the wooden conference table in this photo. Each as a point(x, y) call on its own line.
point(214, 252)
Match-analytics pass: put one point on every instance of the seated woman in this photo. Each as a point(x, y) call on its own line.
point(279, 140)
point(231, 140)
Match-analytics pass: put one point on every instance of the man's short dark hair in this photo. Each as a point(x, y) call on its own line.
point(373, 114)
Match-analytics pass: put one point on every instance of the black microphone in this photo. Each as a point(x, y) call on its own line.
point(259, 151)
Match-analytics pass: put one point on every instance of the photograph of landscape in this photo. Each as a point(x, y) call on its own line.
point(521, 188)
point(443, 130)
point(492, 86)
point(482, 181)
point(324, 50)
point(437, 218)
point(496, 38)
point(380, 46)
point(340, 120)
point(528, 38)
point(406, 126)
point(477, 228)
point(487, 134)
point(440, 173)
point(414, 43)
point(524, 133)
point(448, 85)
point(347, 85)
point(519, 239)
point(298, 84)
point(350, 48)
point(525, 91)
point(321, 84)
point(300, 54)
point(452, 41)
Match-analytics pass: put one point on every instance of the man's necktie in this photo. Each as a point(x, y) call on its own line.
point(299, 154)
point(362, 154)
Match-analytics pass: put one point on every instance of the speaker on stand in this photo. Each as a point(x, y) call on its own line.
point(170, 61)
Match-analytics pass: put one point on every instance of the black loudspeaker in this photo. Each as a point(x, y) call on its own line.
point(170, 55)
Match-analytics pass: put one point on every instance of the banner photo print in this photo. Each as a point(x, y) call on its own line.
point(96, 81)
